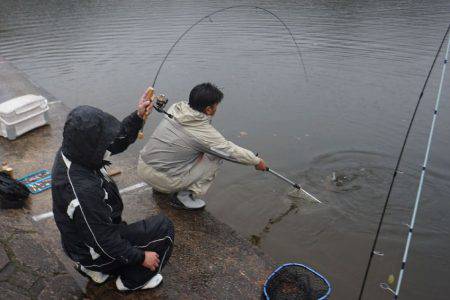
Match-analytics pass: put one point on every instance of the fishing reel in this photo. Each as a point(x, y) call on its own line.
point(159, 103)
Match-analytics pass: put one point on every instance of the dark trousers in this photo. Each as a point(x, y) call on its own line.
point(154, 234)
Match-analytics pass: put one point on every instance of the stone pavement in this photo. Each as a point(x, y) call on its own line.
point(28, 269)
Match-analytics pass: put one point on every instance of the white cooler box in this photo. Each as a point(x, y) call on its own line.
point(22, 114)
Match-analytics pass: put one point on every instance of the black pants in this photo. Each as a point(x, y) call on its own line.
point(154, 234)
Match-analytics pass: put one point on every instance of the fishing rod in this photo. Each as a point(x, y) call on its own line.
point(396, 171)
point(225, 9)
point(422, 177)
point(160, 108)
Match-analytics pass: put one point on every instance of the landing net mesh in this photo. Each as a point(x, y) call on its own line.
point(295, 281)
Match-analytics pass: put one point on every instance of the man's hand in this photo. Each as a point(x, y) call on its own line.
point(145, 105)
point(261, 166)
point(151, 260)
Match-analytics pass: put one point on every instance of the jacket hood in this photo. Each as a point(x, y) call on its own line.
point(88, 132)
point(186, 115)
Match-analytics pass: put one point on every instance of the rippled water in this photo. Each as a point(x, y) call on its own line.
point(366, 62)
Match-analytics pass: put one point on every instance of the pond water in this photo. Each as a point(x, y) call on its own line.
point(366, 62)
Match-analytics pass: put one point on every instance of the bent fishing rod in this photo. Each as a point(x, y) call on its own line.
point(396, 171)
point(208, 16)
point(160, 108)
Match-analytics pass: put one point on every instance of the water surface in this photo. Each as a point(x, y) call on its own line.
point(366, 62)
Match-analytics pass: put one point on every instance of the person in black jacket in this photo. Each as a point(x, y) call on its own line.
point(87, 205)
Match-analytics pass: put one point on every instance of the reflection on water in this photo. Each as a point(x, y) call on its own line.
point(366, 62)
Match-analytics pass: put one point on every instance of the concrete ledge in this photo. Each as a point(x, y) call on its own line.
point(209, 261)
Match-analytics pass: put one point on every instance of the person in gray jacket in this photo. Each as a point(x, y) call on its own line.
point(184, 152)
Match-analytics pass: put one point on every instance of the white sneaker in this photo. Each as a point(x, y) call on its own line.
point(97, 277)
point(186, 200)
point(151, 284)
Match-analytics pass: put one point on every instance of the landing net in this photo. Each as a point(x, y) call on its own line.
point(296, 281)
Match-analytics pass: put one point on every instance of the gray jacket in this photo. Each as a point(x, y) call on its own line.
point(176, 144)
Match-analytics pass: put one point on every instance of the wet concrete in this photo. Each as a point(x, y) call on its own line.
point(28, 267)
point(210, 260)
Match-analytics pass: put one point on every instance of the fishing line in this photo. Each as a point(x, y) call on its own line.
point(372, 252)
point(222, 10)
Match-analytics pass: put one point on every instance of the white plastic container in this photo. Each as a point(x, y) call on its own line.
point(22, 114)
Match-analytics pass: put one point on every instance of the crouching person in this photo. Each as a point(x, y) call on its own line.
point(184, 153)
point(87, 205)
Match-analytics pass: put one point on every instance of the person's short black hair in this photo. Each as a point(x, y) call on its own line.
point(204, 95)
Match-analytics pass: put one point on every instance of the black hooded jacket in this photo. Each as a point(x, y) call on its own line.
point(86, 203)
